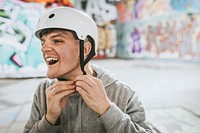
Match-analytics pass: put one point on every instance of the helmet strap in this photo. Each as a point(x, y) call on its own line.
point(89, 57)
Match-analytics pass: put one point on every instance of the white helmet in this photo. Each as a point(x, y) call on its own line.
point(70, 19)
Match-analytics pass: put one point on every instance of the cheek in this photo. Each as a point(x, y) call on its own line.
point(70, 54)
point(69, 51)
point(75, 51)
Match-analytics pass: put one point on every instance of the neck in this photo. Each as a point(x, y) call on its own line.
point(88, 70)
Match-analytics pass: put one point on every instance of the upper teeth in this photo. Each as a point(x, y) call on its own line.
point(51, 59)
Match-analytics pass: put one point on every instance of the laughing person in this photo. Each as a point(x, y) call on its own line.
point(80, 97)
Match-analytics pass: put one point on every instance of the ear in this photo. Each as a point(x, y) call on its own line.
point(87, 48)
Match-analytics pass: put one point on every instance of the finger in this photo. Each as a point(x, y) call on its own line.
point(96, 80)
point(64, 87)
point(60, 86)
point(86, 79)
point(62, 94)
point(50, 88)
point(83, 85)
point(65, 82)
point(82, 92)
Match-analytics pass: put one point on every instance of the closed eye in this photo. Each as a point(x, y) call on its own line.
point(57, 41)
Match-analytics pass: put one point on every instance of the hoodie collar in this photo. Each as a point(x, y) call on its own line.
point(105, 76)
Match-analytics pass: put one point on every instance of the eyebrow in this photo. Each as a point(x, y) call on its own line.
point(57, 35)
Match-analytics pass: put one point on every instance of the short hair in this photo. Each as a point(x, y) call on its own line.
point(50, 30)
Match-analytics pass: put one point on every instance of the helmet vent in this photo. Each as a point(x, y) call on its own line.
point(51, 16)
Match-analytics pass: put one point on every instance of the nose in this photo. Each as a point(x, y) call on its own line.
point(46, 47)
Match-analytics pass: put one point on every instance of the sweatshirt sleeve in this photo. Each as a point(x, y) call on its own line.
point(37, 122)
point(131, 121)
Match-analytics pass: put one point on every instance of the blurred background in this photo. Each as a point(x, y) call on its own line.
point(152, 45)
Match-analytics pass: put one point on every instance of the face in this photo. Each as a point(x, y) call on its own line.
point(61, 53)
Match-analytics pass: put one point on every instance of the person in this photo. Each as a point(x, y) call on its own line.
point(77, 96)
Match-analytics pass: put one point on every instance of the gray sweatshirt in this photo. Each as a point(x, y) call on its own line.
point(125, 115)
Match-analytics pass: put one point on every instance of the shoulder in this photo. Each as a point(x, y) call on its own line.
point(120, 90)
point(122, 95)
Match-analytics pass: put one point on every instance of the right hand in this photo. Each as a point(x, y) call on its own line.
point(57, 100)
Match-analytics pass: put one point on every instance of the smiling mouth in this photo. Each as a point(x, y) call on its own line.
point(51, 60)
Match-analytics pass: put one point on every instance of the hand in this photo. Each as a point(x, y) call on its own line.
point(93, 93)
point(56, 99)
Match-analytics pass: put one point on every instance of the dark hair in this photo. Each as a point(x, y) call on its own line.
point(50, 30)
point(47, 31)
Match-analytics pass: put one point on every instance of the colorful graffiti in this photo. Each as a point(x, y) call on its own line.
point(51, 3)
point(127, 29)
point(159, 29)
point(18, 49)
point(105, 15)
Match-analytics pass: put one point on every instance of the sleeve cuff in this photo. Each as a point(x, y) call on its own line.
point(45, 126)
point(112, 117)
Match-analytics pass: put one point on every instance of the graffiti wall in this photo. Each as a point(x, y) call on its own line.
point(19, 52)
point(127, 29)
point(159, 29)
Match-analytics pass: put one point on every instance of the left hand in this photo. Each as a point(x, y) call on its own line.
point(93, 93)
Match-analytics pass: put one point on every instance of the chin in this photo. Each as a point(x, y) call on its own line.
point(51, 76)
